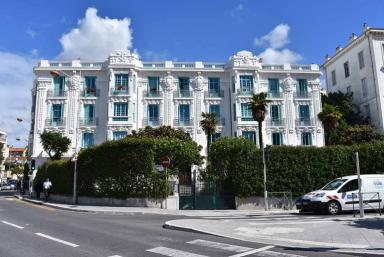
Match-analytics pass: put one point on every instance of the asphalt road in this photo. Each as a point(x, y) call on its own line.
point(28, 230)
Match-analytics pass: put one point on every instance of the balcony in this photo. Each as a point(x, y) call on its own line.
point(123, 91)
point(153, 121)
point(247, 119)
point(54, 122)
point(305, 122)
point(182, 94)
point(303, 95)
point(245, 92)
point(88, 122)
point(54, 94)
point(274, 95)
point(276, 122)
point(90, 93)
point(214, 94)
point(183, 122)
point(3, 139)
point(121, 118)
point(152, 94)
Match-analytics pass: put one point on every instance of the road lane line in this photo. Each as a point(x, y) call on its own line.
point(277, 254)
point(253, 251)
point(173, 252)
point(289, 222)
point(11, 224)
point(115, 256)
point(57, 240)
point(227, 247)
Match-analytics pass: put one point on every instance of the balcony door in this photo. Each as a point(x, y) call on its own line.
point(89, 113)
point(57, 114)
point(304, 112)
point(153, 114)
point(58, 86)
point(184, 114)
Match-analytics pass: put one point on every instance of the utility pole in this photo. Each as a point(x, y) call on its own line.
point(359, 183)
point(265, 157)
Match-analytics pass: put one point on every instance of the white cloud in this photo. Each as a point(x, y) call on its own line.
point(16, 79)
point(239, 7)
point(236, 13)
point(96, 37)
point(273, 42)
point(34, 52)
point(277, 38)
point(276, 56)
point(31, 33)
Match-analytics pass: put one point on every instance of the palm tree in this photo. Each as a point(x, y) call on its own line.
point(330, 117)
point(259, 107)
point(208, 124)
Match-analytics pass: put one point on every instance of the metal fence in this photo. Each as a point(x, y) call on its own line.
point(280, 200)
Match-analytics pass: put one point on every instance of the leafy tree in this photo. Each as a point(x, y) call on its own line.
point(259, 106)
point(1, 153)
point(208, 124)
point(358, 134)
point(330, 116)
point(344, 102)
point(26, 171)
point(55, 144)
point(17, 169)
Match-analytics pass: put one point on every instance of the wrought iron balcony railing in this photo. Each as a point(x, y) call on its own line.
point(305, 122)
point(152, 93)
point(276, 122)
point(182, 93)
point(180, 122)
point(153, 121)
point(90, 92)
point(214, 94)
point(119, 91)
point(54, 93)
point(88, 122)
point(54, 122)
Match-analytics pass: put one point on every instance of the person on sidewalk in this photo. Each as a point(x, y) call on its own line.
point(38, 189)
point(47, 188)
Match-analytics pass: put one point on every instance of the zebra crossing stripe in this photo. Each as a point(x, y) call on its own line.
point(165, 251)
point(253, 251)
point(277, 254)
point(223, 246)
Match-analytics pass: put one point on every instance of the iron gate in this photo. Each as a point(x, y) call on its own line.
point(206, 196)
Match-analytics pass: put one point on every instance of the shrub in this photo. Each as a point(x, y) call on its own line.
point(296, 169)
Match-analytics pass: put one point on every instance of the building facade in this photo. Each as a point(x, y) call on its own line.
point(91, 102)
point(3, 152)
point(359, 68)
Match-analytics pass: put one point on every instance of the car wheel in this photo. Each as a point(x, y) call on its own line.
point(333, 207)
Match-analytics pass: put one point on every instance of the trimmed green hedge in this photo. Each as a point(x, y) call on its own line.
point(296, 169)
point(60, 173)
point(123, 168)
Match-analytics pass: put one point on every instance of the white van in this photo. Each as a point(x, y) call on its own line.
point(341, 194)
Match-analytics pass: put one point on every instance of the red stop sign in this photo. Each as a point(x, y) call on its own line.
point(165, 161)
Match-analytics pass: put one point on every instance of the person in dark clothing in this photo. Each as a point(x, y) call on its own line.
point(38, 189)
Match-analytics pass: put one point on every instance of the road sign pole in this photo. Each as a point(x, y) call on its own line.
point(265, 181)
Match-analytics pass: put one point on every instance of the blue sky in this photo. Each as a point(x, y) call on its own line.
point(300, 31)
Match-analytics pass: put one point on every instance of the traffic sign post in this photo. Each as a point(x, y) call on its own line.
point(165, 162)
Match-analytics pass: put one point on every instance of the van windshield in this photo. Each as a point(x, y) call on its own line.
point(334, 184)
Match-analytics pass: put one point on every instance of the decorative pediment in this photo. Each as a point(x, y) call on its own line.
point(123, 57)
point(245, 59)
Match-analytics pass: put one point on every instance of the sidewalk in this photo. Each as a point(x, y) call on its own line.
point(330, 234)
point(145, 210)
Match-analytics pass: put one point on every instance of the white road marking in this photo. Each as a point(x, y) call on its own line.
point(277, 254)
point(11, 224)
point(253, 251)
point(56, 239)
point(173, 252)
point(227, 247)
point(115, 256)
point(289, 223)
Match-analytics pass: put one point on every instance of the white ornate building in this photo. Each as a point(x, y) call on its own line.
point(91, 102)
point(359, 68)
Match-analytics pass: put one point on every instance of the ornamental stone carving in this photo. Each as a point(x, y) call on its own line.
point(42, 84)
point(245, 59)
point(124, 57)
point(315, 84)
point(167, 83)
point(198, 83)
point(289, 83)
point(74, 82)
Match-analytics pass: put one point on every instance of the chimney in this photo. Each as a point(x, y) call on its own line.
point(327, 58)
point(352, 37)
point(338, 48)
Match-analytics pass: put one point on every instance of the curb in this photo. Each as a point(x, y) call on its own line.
point(167, 225)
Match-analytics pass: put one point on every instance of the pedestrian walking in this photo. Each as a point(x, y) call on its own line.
point(47, 188)
point(38, 189)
